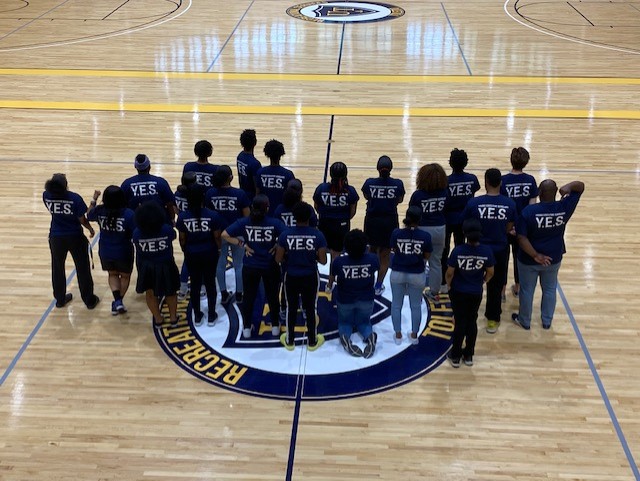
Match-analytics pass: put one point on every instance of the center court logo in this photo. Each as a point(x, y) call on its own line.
point(345, 12)
point(260, 366)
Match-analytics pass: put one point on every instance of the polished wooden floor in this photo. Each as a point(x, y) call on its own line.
point(85, 86)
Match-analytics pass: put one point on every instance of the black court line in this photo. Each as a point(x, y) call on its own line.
point(29, 23)
point(116, 9)
point(580, 13)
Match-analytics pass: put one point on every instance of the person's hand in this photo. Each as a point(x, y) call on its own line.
point(272, 251)
point(96, 195)
point(328, 288)
point(92, 232)
point(542, 259)
point(248, 250)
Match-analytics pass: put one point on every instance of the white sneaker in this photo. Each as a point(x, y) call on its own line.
point(275, 330)
point(246, 332)
point(397, 340)
point(412, 340)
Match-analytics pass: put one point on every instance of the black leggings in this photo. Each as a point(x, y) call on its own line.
point(251, 278)
point(493, 308)
point(458, 238)
point(305, 287)
point(78, 246)
point(465, 312)
point(202, 270)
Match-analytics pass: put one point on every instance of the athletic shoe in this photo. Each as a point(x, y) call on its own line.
point(351, 348)
point(67, 299)
point(184, 290)
point(198, 318)
point(546, 327)
point(174, 322)
point(283, 341)
point(246, 332)
point(370, 345)
point(468, 360)
point(94, 303)
point(514, 318)
point(211, 320)
point(120, 307)
point(454, 362)
point(432, 297)
point(492, 327)
point(413, 340)
point(379, 288)
point(319, 342)
point(397, 338)
point(114, 309)
point(203, 292)
point(238, 297)
point(158, 325)
point(275, 329)
point(225, 297)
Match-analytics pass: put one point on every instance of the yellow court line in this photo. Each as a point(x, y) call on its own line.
point(347, 78)
point(321, 110)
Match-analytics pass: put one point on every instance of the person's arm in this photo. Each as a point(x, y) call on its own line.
point(352, 210)
point(280, 252)
point(330, 282)
point(448, 276)
point(426, 256)
point(322, 255)
point(235, 241)
point(85, 223)
point(217, 238)
point(246, 211)
point(575, 186)
point(94, 200)
point(488, 274)
point(526, 246)
point(182, 238)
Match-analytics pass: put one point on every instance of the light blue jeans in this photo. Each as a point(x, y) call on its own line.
point(437, 234)
point(548, 281)
point(405, 283)
point(356, 314)
point(237, 254)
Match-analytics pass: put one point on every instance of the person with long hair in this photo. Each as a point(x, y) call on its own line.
point(258, 235)
point(292, 195)
point(430, 197)
point(336, 202)
point(354, 293)
point(199, 237)
point(115, 249)
point(412, 248)
point(383, 195)
point(272, 179)
point(68, 211)
point(188, 179)
point(247, 164)
point(232, 204)
point(158, 275)
point(203, 169)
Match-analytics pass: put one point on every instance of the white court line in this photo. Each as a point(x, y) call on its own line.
point(574, 40)
point(98, 37)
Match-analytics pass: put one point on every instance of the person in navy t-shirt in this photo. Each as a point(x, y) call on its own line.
point(383, 195)
point(200, 230)
point(247, 164)
point(540, 231)
point(412, 248)
point(67, 211)
point(336, 202)
point(232, 204)
point(202, 168)
point(180, 196)
point(355, 273)
point(292, 195)
point(300, 248)
point(272, 180)
point(115, 249)
point(522, 188)
point(462, 187)
point(470, 265)
point(497, 215)
point(258, 234)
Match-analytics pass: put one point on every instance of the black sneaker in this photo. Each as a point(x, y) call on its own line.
point(351, 348)
point(114, 309)
point(455, 362)
point(238, 297)
point(67, 299)
point(468, 360)
point(546, 327)
point(516, 320)
point(94, 303)
point(225, 297)
point(370, 345)
point(211, 320)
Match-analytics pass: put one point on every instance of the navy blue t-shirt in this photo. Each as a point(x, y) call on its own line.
point(494, 213)
point(115, 238)
point(204, 173)
point(334, 206)
point(355, 278)
point(301, 244)
point(229, 202)
point(180, 200)
point(519, 187)
point(383, 195)
point(286, 216)
point(432, 206)
point(65, 213)
point(155, 248)
point(462, 187)
point(409, 246)
point(200, 230)
point(260, 236)
point(544, 225)
point(247, 166)
point(470, 263)
point(272, 180)
point(143, 188)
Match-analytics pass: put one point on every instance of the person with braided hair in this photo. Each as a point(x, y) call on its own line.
point(272, 180)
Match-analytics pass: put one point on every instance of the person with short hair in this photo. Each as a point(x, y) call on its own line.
point(203, 169)
point(470, 265)
point(67, 211)
point(272, 180)
point(412, 248)
point(336, 202)
point(355, 274)
point(145, 187)
point(247, 164)
point(497, 215)
point(300, 249)
point(383, 195)
point(292, 195)
point(188, 179)
point(115, 249)
point(540, 231)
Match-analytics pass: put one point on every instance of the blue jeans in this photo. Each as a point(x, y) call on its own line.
point(356, 314)
point(237, 254)
point(405, 283)
point(548, 281)
point(437, 233)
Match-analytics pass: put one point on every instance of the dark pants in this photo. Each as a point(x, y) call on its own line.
point(494, 286)
point(514, 248)
point(202, 270)
point(251, 278)
point(465, 312)
point(78, 246)
point(306, 288)
point(458, 238)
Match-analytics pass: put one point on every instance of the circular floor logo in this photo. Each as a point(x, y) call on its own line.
point(345, 12)
point(260, 366)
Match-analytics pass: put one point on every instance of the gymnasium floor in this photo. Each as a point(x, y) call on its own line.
point(85, 86)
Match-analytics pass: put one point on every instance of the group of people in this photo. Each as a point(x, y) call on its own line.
point(272, 237)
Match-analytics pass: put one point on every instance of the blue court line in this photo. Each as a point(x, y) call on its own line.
point(456, 38)
point(603, 392)
point(37, 327)
point(229, 37)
